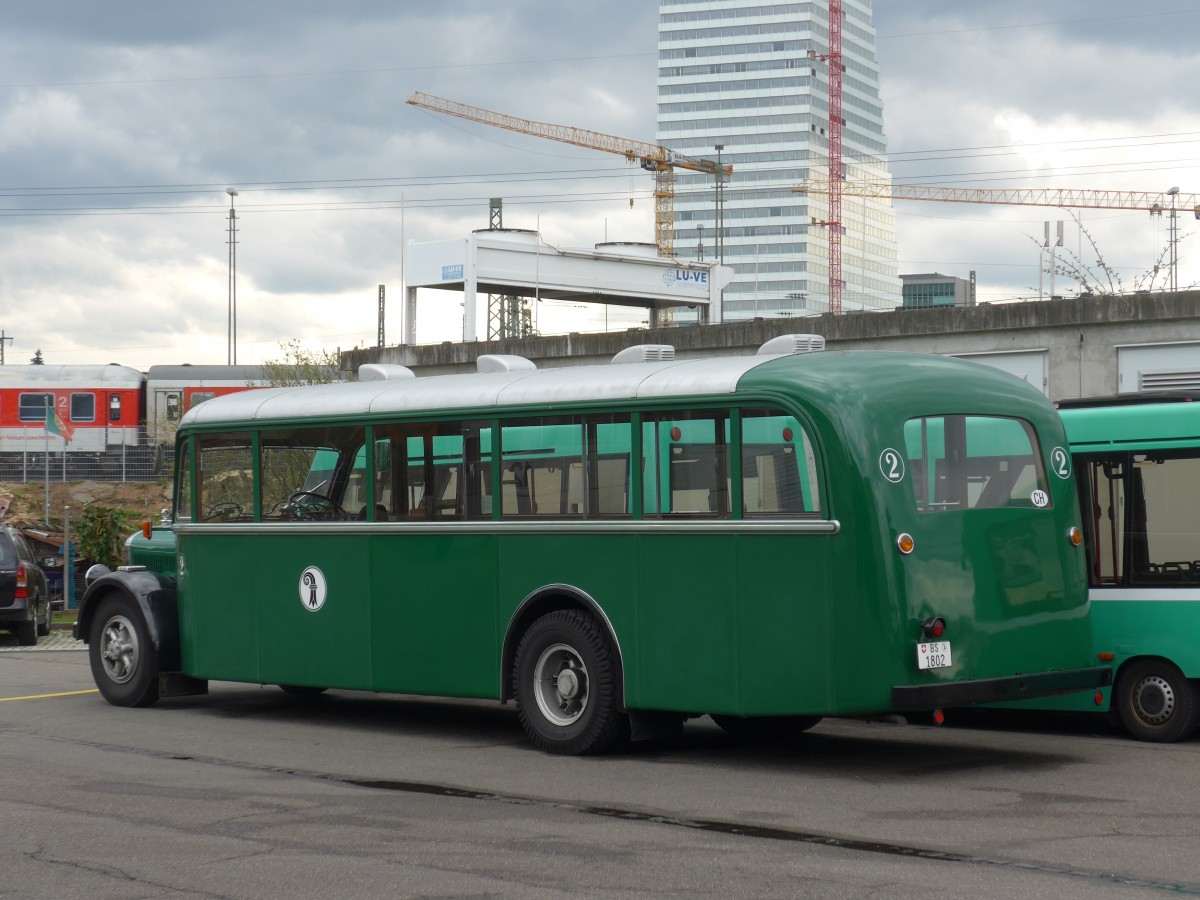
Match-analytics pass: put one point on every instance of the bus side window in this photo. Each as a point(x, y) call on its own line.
point(1163, 519)
point(225, 478)
point(541, 463)
point(610, 442)
point(690, 451)
point(309, 474)
point(183, 490)
point(779, 471)
point(449, 470)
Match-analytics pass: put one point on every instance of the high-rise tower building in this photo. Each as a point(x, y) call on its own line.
point(747, 82)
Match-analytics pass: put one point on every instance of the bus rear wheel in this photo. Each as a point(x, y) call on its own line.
point(124, 660)
point(568, 685)
point(765, 727)
point(1155, 702)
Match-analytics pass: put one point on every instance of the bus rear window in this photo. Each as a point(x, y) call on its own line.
point(974, 462)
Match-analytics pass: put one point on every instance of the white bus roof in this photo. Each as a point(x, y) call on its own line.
point(572, 384)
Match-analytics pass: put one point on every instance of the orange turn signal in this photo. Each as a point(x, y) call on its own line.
point(905, 543)
point(146, 529)
point(1074, 535)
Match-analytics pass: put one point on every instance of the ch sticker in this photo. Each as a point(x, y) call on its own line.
point(312, 588)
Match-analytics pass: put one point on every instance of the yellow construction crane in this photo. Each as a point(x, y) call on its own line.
point(1152, 202)
point(659, 160)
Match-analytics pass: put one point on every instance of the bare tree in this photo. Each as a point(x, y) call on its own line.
point(1098, 278)
point(299, 366)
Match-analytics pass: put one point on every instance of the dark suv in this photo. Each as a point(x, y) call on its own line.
point(24, 595)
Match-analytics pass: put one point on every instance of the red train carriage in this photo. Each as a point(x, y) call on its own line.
point(97, 409)
point(108, 422)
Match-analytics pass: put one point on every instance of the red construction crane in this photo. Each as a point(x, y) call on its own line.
point(833, 224)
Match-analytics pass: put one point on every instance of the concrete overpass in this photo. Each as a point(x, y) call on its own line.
point(1068, 348)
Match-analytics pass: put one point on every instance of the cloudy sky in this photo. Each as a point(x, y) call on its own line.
point(123, 123)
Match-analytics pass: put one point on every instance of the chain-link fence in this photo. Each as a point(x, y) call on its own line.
point(145, 462)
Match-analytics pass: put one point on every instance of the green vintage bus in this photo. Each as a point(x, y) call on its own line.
point(765, 539)
point(1137, 461)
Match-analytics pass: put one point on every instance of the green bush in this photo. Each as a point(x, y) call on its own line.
point(102, 531)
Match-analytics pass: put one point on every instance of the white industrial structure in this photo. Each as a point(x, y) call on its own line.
point(518, 263)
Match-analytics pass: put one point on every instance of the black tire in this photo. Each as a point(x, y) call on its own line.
point(1155, 702)
point(765, 727)
point(124, 659)
point(568, 685)
point(26, 633)
point(302, 690)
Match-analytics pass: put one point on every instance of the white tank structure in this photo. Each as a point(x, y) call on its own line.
point(517, 262)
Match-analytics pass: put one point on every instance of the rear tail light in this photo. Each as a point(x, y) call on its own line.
point(22, 582)
point(933, 627)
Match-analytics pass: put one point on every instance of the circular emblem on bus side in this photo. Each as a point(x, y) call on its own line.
point(891, 464)
point(1060, 463)
point(1040, 498)
point(312, 588)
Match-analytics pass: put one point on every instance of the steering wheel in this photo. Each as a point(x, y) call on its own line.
point(307, 504)
point(225, 510)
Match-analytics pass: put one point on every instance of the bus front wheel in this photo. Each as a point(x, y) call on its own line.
point(1155, 702)
point(124, 659)
point(568, 685)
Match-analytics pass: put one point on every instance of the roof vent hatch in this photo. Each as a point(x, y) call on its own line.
point(645, 353)
point(788, 344)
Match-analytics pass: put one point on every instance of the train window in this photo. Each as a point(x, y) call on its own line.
point(32, 407)
point(83, 407)
point(114, 408)
point(199, 397)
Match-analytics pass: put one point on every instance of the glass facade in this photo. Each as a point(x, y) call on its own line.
point(922, 296)
point(738, 74)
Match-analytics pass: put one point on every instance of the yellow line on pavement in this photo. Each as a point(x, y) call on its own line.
point(48, 696)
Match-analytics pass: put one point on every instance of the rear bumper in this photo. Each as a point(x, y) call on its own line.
point(918, 697)
point(20, 611)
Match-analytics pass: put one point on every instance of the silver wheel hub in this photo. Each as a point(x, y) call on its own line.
point(560, 685)
point(119, 650)
point(1154, 700)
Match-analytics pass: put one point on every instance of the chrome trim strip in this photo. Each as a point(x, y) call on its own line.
point(1144, 594)
point(556, 526)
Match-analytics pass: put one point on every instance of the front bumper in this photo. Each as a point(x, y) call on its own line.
point(920, 697)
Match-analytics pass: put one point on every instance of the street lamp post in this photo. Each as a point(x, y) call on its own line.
point(231, 350)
